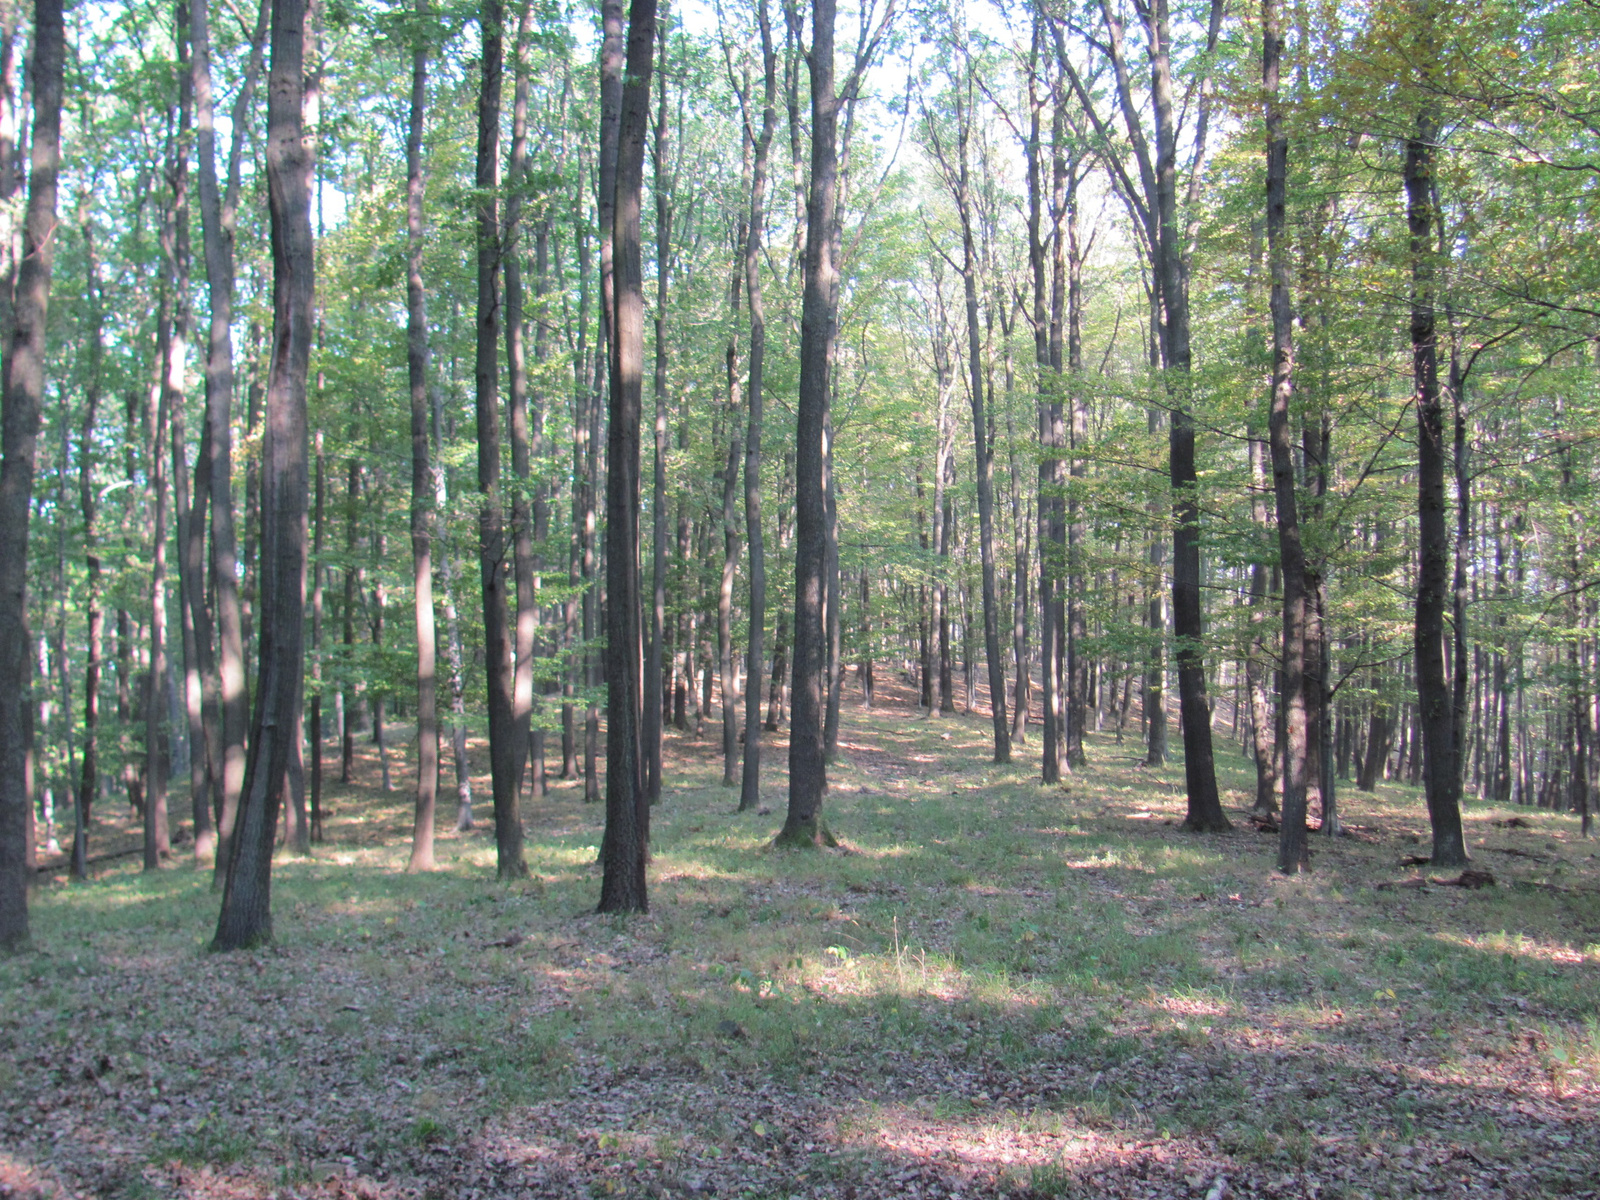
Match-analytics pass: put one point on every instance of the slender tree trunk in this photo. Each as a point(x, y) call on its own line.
point(94, 614)
point(246, 917)
point(427, 792)
point(506, 741)
point(1442, 775)
point(22, 398)
point(1077, 658)
point(1294, 855)
point(730, 536)
point(318, 575)
point(625, 848)
point(217, 211)
point(652, 708)
point(750, 784)
point(803, 824)
point(522, 532)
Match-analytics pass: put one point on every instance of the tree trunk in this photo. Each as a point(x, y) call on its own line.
point(246, 917)
point(522, 532)
point(625, 848)
point(22, 397)
point(730, 550)
point(1442, 775)
point(506, 740)
point(803, 823)
point(1294, 855)
point(94, 615)
point(217, 212)
point(421, 474)
point(652, 711)
point(750, 783)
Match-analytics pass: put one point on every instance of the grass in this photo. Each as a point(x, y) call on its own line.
point(994, 984)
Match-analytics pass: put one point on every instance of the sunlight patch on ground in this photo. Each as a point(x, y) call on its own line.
point(1521, 946)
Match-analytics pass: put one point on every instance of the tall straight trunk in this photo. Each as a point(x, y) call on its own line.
point(506, 742)
point(173, 354)
point(452, 621)
point(1294, 855)
point(808, 780)
point(941, 511)
point(1257, 668)
point(612, 54)
point(1155, 681)
point(1442, 773)
point(157, 833)
point(21, 402)
point(352, 578)
point(730, 538)
point(627, 837)
point(522, 532)
point(427, 792)
point(94, 614)
point(205, 746)
point(576, 579)
point(1077, 658)
point(1049, 421)
point(652, 709)
point(246, 917)
point(833, 598)
point(750, 782)
point(318, 575)
point(217, 219)
point(1200, 778)
point(983, 458)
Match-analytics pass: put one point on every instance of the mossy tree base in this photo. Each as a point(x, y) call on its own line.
point(810, 834)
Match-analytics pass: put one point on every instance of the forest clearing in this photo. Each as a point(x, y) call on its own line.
point(995, 988)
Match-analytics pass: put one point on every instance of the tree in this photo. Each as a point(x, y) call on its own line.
point(421, 468)
point(506, 750)
point(246, 917)
point(1293, 853)
point(627, 836)
point(22, 394)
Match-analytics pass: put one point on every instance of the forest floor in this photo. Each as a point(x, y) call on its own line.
point(992, 989)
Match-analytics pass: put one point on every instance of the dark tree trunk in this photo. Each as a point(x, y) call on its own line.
point(507, 740)
point(1199, 769)
point(803, 824)
point(750, 783)
point(427, 793)
point(1442, 774)
point(22, 398)
point(1294, 855)
point(652, 708)
point(217, 212)
point(522, 530)
point(94, 614)
point(246, 917)
point(625, 848)
point(318, 575)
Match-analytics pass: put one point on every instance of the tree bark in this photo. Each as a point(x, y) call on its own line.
point(217, 212)
point(22, 397)
point(1294, 855)
point(750, 782)
point(94, 614)
point(803, 823)
point(652, 708)
point(522, 531)
point(427, 791)
point(506, 745)
point(246, 917)
point(627, 837)
point(1441, 770)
